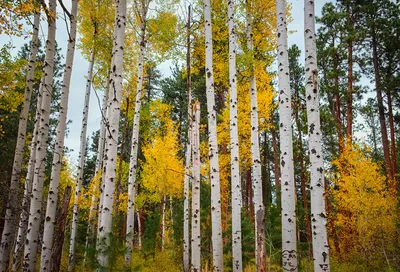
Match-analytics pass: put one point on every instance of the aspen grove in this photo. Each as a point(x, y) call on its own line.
point(208, 135)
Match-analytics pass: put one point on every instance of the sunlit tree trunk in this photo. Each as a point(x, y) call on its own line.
point(50, 218)
point(81, 164)
point(12, 202)
point(255, 153)
point(195, 242)
point(104, 230)
point(24, 215)
point(164, 200)
point(318, 212)
point(188, 158)
point(135, 138)
point(32, 238)
point(289, 243)
point(236, 189)
point(218, 257)
point(139, 229)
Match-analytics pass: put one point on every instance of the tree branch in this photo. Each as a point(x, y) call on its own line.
point(64, 8)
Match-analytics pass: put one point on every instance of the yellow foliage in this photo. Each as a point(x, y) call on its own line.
point(366, 211)
point(162, 172)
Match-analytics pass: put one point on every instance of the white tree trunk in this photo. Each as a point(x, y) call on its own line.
point(188, 158)
point(236, 189)
point(32, 239)
point(255, 155)
point(288, 191)
point(96, 203)
point(81, 165)
point(103, 151)
point(218, 256)
point(105, 228)
point(130, 221)
point(196, 261)
point(163, 223)
point(139, 230)
point(12, 203)
point(317, 184)
point(24, 215)
point(50, 218)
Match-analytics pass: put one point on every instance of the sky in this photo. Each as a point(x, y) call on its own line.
point(79, 72)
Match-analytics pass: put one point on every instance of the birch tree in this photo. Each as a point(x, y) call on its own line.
point(32, 239)
point(188, 157)
point(50, 218)
point(255, 151)
point(142, 14)
point(10, 216)
point(289, 249)
point(81, 159)
point(317, 185)
point(218, 257)
point(195, 242)
point(104, 230)
point(236, 189)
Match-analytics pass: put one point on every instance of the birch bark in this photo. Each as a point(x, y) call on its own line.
point(32, 239)
point(12, 203)
point(104, 230)
point(24, 215)
point(135, 138)
point(255, 153)
point(218, 257)
point(195, 242)
point(50, 218)
point(188, 159)
point(289, 243)
point(236, 189)
point(81, 159)
point(318, 212)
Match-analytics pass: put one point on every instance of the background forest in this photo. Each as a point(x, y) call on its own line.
point(251, 156)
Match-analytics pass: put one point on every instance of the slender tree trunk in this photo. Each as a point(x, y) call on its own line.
point(51, 209)
point(218, 257)
point(392, 141)
point(188, 159)
point(59, 239)
point(104, 230)
point(81, 165)
point(255, 152)
point(12, 203)
point(381, 111)
point(130, 222)
point(349, 130)
point(196, 262)
point(24, 215)
point(289, 243)
point(318, 213)
point(139, 229)
point(276, 169)
point(32, 239)
point(236, 189)
point(337, 107)
point(163, 223)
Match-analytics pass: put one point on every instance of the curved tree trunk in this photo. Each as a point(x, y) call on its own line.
point(236, 189)
point(289, 243)
point(188, 158)
point(318, 212)
point(81, 159)
point(255, 154)
point(196, 262)
point(32, 239)
point(135, 141)
point(218, 256)
point(104, 230)
point(50, 218)
point(12, 203)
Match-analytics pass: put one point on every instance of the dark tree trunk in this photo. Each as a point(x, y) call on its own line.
point(276, 169)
